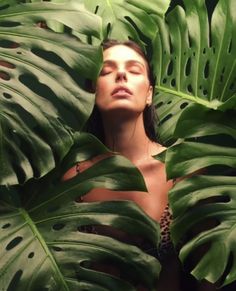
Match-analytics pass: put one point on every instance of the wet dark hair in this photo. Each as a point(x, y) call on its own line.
point(95, 124)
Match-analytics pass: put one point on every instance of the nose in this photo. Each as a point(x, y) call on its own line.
point(121, 76)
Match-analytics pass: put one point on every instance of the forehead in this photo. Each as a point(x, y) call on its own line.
point(122, 53)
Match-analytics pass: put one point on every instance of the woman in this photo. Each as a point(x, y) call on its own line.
point(123, 96)
point(124, 92)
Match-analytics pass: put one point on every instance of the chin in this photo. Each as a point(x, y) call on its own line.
point(122, 110)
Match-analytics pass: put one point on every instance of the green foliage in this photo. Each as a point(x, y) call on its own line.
point(206, 204)
point(45, 103)
point(46, 241)
point(194, 61)
point(122, 18)
point(43, 99)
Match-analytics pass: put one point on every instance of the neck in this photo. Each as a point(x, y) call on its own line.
point(128, 137)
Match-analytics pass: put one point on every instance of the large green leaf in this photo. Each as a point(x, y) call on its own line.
point(124, 19)
point(188, 157)
point(46, 243)
point(197, 121)
point(43, 88)
point(204, 217)
point(194, 62)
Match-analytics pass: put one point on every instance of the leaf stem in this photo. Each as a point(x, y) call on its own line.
point(212, 104)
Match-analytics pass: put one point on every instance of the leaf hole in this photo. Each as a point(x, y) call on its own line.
point(39, 88)
point(223, 198)
point(14, 284)
point(5, 76)
point(57, 60)
point(7, 225)
point(183, 105)
point(96, 9)
point(205, 92)
point(204, 51)
point(13, 243)
point(164, 81)
point(85, 264)
point(171, 46)
point(189, 40)
point(110, 231)
point(231, 87)
point(49, 56)
point(173, 82)
point(230, 46)
point(190, 88)
point(158, 105)
point(86, 229)
point(206, 69)
point(9, 24)
point(106, 266)
point(7, 64)
point(17, 167)
point(169, 102)
point(170, 68)
point(58, 226)
point(42, 24)
point(108, 28)
point(57, 249)
point(31, 255)
point(4, 6)
point(188, 67)
point(8, 44)
point(166, 118)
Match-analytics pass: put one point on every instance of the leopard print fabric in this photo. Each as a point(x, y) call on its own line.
point(165, 247)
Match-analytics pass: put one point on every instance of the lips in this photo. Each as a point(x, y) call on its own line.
point(121, 90)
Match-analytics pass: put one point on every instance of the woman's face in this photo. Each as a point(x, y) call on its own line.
point(123, 83)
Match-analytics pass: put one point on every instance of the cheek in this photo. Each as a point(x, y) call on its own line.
point(143, 87)
point(101, 91)
point(102, 87)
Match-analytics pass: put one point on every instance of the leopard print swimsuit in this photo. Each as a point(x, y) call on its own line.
point(165, 247)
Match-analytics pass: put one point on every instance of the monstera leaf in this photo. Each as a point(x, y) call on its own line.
point(206, 204)
point(44, 97)
point(125, 19)
point(122, 19)
point(203, 206)
point(48, 241)
point(194, 62)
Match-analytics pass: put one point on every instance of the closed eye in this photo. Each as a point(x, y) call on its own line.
point(105, 71)
point(136, 72)
point(135, 69)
